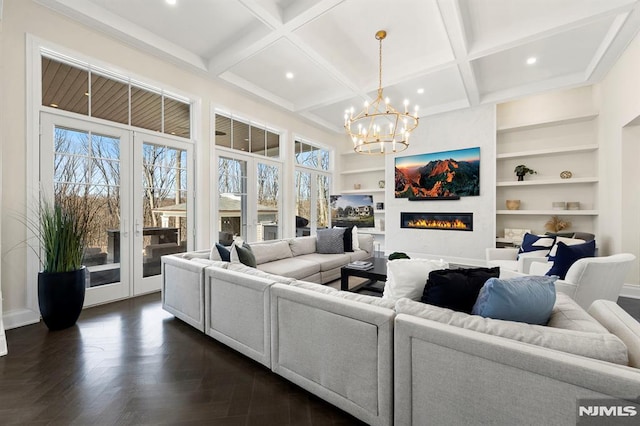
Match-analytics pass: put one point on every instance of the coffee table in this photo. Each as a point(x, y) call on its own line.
point(373, 275)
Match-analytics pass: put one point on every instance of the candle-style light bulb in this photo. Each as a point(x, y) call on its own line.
point(415, 109)
point(406, 106)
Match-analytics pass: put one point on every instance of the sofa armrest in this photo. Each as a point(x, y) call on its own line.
point(340, 350)
point(477, 374)
point(366, 243)
point(507, 253)
point(183, 289)
point(525, 264)
point(619, 322)
point(237, 312)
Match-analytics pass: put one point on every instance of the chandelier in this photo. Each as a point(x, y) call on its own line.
point(380, 128)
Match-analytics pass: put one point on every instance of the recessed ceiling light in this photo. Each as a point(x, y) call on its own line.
point(532, 60)
point(289, 75)
point(171, 2)
point(420, 91)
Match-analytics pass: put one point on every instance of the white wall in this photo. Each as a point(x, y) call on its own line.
point(22, 17)
point(620, 106)
point(456, 130)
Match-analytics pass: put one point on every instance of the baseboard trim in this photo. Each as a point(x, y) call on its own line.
point(631, 290)
point(20, 318)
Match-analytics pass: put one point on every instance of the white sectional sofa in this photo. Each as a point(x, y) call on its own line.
point(387, 363)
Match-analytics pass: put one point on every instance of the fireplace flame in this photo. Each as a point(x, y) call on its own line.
point(438, 224)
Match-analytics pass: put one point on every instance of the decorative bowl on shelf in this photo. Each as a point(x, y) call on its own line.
point(513, 204)
point(356, 186)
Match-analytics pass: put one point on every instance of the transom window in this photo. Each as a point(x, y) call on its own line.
point(247, 137)
point(312, 156)
point(89, 91)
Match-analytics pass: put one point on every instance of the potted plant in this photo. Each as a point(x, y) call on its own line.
point(522, 170)
point(61, 283)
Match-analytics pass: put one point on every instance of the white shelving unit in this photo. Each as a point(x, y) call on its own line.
point(366, 171)
point(548, 145)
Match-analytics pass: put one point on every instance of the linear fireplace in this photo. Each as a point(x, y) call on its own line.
point(437, 220)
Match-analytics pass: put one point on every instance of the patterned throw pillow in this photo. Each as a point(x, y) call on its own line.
point(330, 241)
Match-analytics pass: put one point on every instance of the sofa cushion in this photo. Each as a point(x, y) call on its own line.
point(358, 255)
point(293, 267)
point(620, 323)
point(602, 346)
point(272, 250)
point(243, 254)
point(407, 277)
point(456, 289)
point(324, 289)
point(327, 261)
point(209, 262)
point(239, 267)
point(220, 252)
point(302, 245)
point(567, 314)
point(362, 298)
point(527, 299)
point(330, 241)
point(566, 256)
point(196, 255)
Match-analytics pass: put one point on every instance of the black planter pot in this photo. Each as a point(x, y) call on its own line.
point(60, 296)
point(520, 178)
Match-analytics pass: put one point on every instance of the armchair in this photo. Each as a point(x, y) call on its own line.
point(591, 278)
point(508, 259)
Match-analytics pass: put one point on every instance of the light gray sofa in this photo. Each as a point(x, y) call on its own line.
point(386, 363)
point(183, 274)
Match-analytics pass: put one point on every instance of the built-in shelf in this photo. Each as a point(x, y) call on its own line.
point(547, 182)
point(537, 125)
point(541, 152)
point(548, 212)
point(371, 231)
point(363, 191)
point(357, 171)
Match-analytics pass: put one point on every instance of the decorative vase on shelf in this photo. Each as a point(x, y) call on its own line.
point(381, 183)
point(513, 204)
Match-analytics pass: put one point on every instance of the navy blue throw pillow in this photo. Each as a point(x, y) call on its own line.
point(531, 242)
point(456, 289)
point(225, 254)
point(567, 255)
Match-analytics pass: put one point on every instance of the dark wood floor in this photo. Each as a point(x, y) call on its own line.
point(131, 363)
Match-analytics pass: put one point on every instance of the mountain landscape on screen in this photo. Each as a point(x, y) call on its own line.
point(442, 174)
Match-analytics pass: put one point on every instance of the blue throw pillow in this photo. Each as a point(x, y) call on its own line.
point(527, 299)
point(225, 254)
point(531, 242)
point(567, 255)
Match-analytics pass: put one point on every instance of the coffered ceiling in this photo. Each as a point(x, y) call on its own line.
point(460, 53)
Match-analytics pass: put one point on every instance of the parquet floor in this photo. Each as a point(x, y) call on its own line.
point(131, 363)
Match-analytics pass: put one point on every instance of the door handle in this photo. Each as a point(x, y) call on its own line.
point(124, 231)
point(138, 230)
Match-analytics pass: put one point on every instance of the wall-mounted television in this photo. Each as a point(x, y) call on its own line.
point(438, 175)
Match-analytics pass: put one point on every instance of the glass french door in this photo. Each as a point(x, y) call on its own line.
point(249, 199)
point(86, 166)
point(133, 190)
point(163, 207)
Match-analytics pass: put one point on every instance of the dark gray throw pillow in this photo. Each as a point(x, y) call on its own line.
point(245, 255)
point(456, 289)
point(330, 241)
